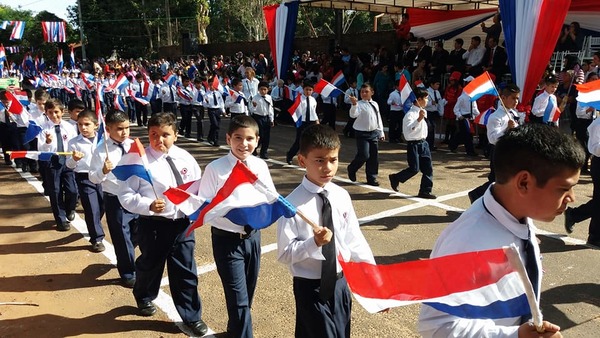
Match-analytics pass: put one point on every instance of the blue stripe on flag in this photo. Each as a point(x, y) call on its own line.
point(262, 215)
point(514, 307)
point(123, 172)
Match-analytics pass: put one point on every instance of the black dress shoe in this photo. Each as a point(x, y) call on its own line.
point(288, 160)
point(374, 183)
point(351, 175)
point(71, 215)
point(63, 226)
point(394, 182)
point(215, 144)
point(594, 243)
point(198, 328)
point(264, 157)
point(200, 139)
point(472, 154)
point(427, 195)
point(128, 283)
point(569, 222)
point(147, 309)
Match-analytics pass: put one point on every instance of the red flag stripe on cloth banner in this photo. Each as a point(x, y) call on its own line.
point(466, 285)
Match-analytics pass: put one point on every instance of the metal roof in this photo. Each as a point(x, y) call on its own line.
point(398, 6)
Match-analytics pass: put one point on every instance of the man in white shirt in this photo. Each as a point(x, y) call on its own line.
point(474, 56)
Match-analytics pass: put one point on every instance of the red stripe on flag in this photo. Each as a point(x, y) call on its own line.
point(427, 278)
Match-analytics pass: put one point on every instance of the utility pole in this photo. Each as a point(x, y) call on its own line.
point(81, 30)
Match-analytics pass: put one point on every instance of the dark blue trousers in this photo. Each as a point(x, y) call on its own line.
point(198, 112)
point(296, 146)
point(93, 206)
point(480, 190)
point(164, 241)
point(264, 130)
point(464, 136)
point(62, 189)
point(238, 263)
point(367, 151)
point(122, 227)
point(214, 116)
point(185, 126)
point(418, 156)
point(315, 319)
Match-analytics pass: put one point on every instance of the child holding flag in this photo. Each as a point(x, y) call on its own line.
point(415, 129)
point(545, 101)
point(264, 114)
point(121, 223)
point(499, 123)
point(534, 181)
point(368, 130)
point(236, 249)
point(323, 301)
point(163, 226)
point(83, 147)
point(61, 180)
point(305, 108)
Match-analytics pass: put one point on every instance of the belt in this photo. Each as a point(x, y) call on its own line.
point(339, 275)
point(237, 235)
point(82, 176)
point(415, 142)
point(163, 219)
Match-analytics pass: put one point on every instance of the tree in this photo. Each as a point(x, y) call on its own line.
point(203, 19)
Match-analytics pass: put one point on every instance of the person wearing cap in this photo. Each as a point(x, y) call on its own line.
point(451, 94)
point(465, 111)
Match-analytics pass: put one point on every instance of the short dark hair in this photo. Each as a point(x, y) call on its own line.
point(308, 83)
point(421, 93)
point(242, 121)
point(54, 103)
point(367, 85)
point(540, 149)
point(263, 84)
point(88, 114)
point(510, 88)
point(116, 117)
point(551, 79)
point(163, 119)
point(476, 38)
point(460, 41)
point(318, 136)
point(41, 94)
point(75, 104)
point(235, 82)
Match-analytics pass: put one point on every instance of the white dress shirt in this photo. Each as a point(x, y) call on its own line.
point(350, 92)
point(209, 100)
point(465, 107)
point(412, 128)
point(367, 118)
point(498, 123)
point(250, 87)
point(594, 139)
point(215, 175)
point(86, 146)
point(136, 194)
point(264, 106)
point(582, 112)
point(67, 133)
point(295, 238)
point(237, 107)
point(478, 229)
point(109, 182)
point(540, 103)
point(474, 57)
point(395, 101)
point(312, 108)
point(199, 96)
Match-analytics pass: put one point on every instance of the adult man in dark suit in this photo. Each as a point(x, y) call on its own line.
point(495, 58)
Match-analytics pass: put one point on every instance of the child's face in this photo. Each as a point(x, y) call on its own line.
point(87, 127)
point(422, 102)
point(511, 101)
point(321, 165)
point(238, 87)
point(551, 200)
point(551, 87)
point(162, 137)
point(119, 132)
point(54, 114)
point(40, 104)
point(263, 91)
point(366, 93)
point(308, 91)
point(435, 86)
point(74, 113)
point(242, 141)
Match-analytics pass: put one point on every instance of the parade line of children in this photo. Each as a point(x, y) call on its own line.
point(137, 216)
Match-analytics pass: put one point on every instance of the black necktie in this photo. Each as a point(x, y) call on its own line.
point(172, 96)
point(60, 146)
point(176, 173)
point(265, 98)
point(215, 99)
point(329, 265)
point(307, 110)
point(120, 145)
point(530, 262)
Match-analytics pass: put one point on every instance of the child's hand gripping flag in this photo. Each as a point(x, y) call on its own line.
point(134, 163)
point(244, 200)
point(187, 202)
